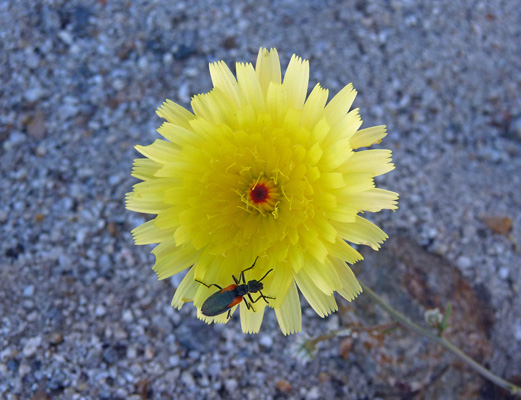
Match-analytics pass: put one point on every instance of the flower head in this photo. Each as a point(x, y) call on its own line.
point(260, 172)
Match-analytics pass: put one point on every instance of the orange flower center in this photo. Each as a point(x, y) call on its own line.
point(262, 196)
point(259, 193)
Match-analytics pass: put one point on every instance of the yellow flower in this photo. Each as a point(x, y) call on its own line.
point(259, 172)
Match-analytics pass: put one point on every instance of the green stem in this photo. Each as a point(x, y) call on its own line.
point(402, 319)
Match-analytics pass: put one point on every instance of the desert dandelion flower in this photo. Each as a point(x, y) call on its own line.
point(260, 171)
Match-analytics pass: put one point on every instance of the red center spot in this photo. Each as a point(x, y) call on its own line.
point(259, 193)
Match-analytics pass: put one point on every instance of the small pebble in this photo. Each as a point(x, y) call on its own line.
point(127, 316)
point(283, 386)
point(231, 385)
point(100, 310)
point(31, 346)
point(56, 338)
point(24, 370)
point(504, 272)
point(266, 341)
point(33, 94)
point(464, 262)
point(28, 291)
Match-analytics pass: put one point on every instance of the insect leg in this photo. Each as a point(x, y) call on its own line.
point(244, 270)
point(261, 296)
point(249, 306)
point(210, 285)
point(266, 274)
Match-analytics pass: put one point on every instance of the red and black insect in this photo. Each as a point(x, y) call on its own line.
point(226, 298)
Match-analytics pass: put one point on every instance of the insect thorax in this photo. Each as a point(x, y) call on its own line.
point(255, 286)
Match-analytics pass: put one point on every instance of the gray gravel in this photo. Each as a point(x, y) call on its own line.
point(82, 314)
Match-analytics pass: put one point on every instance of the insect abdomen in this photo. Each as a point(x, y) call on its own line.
point(218, 303)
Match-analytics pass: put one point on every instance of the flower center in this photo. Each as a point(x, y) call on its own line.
point(259, 193)
point(262, 196)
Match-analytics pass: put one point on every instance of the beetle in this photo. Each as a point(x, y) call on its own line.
point(223, 300)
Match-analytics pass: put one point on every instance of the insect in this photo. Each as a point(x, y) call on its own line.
point(226, 298)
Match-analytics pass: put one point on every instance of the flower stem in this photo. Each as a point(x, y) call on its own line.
point(403, 320)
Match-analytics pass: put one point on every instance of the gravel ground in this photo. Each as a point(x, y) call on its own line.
point(82, 314)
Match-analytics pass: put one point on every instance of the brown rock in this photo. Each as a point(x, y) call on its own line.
point(345, 347)
point(497, 224)
point(413, 281)
point(283, 385)
point(56, 338)
point(36, 127)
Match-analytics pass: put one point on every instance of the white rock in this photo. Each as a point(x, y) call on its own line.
point(100, 310)
point(31, 346)
point(266, 341)
point(28, 291)
point(33, 94)
point(464, 262)
point(127, 316)
point(504, 272)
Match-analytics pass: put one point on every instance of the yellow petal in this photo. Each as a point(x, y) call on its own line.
point(317, 249)
point(296, 82)
point(368, 136)
point(275, 103)
point(314, 107)
point(347, 126)
point(314, 154)
point(164, 248)
point(295, 258)
point(251, 321)
point(149, 233)
point(346, 213)
point(376, 162)
point(250, 86)
point(372, 200)
point(145, 169)
point(223, 79)
point(176, 260)
point(320, 130)
point(362, 231)
point(186, 290)
point(322, 303)
point(182, 235)
point(336, 155)
point(321, 273)
point(340, 104)
point(175, 114)
point(174, 170)
point(280, 284)
point(344, 251)
point(167, 219)
point(160, 151)
point(332, 180)
point(358, 182)
point(349, 287)
point(142, 203)
point(214, 107)
point(268, 68)
point(289, 313)
point(174, 133)
point(325, 229)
